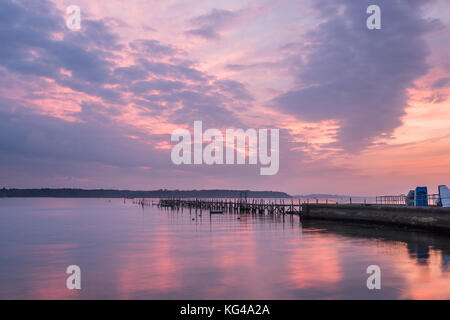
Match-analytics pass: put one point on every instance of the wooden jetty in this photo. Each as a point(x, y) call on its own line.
point(243, 205)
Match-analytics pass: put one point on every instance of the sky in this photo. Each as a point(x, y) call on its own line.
point(360, 112)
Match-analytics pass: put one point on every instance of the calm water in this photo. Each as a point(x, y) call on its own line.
point(126, 252)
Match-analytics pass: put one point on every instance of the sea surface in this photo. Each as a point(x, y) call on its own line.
point(126, 251)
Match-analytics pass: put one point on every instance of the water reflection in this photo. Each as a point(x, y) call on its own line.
point(130, 252)
point(419, 244)
point(419, 252)
point(445, 261)
point(418, 259)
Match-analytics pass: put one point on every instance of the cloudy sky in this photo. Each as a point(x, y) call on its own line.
point(362, 112)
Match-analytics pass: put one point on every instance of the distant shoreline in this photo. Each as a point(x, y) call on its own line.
point(111, 193)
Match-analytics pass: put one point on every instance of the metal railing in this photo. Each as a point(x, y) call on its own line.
point(401, 200)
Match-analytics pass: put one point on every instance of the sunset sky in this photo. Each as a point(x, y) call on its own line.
point(361, 112)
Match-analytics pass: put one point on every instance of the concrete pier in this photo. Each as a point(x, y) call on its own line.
point(431, 218)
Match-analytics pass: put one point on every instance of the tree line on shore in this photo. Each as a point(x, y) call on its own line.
point(161, 193)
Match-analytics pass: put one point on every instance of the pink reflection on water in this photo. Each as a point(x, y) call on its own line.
point(49, 281)
point(128, 253)
point(230, 253)
point(315, 265)
point(423, 280)
point(148, 264)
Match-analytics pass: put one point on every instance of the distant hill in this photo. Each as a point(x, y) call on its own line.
point(162, 193)
point(330, 196)
point(321, 196)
